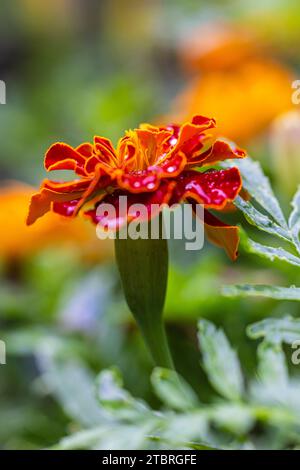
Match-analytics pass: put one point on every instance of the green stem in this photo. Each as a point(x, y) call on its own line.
point(143, 267)
point(155, 337)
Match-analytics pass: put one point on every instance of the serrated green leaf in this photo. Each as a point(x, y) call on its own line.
point(272, 367)
point(125, 437)
point(173, 390)
point(112, 437)
point(261, 221)
point(294, 220)
point(272, 292)
point(270, 252)
point(81, 440)
point(234, 417)
point(258, 185)
point(115, 399)
point(73, 386)
point(220, 361)
point(285, 329)
point(182, 427)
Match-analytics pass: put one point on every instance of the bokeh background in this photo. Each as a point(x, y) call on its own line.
point(76, 68)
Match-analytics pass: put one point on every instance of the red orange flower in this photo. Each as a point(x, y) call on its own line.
point(151, 165)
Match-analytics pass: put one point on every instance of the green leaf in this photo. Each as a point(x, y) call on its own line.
point(173, 390)
point(220, 361)
point(258, 185)
point(285, 329)
point(272, 292)
point(115, 399)
point(73, 386)
point(270, 252)
point(113, 437)
point(272, 367)
point(81, 440)
point(294, 220)
point(261, 221)
point(182, 427)
point(233, 417)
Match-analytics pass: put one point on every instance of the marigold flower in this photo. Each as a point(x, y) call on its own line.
point(149, 165)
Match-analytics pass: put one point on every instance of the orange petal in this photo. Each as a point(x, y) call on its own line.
point(41, 202)
point(223, 150)
point(194, 136)
point(67, 187)
point(223, 235)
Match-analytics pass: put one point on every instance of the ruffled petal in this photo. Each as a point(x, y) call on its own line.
point(61, 156)
point(143, 148)
point(97, 184)
point(67, 187)
point(212, 188)
point(122, 215)
point(103, 141)
point(42, 202)
point(105, 151)
point(222, 150)
point(195, 137)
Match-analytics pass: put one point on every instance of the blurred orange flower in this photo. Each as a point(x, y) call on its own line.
point(216, 46)
point(236, 83)
point(17, 241)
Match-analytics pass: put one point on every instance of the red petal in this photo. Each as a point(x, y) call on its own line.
point(149, 179)
point(86, 150)
point(103, 141)
point(105, 151)
point(66, 208)
point(212, 188)
point(203, 121)
point(91, 164)
point(145, 181)
point(117, 220)
point(61, 156)
point(173, 166)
